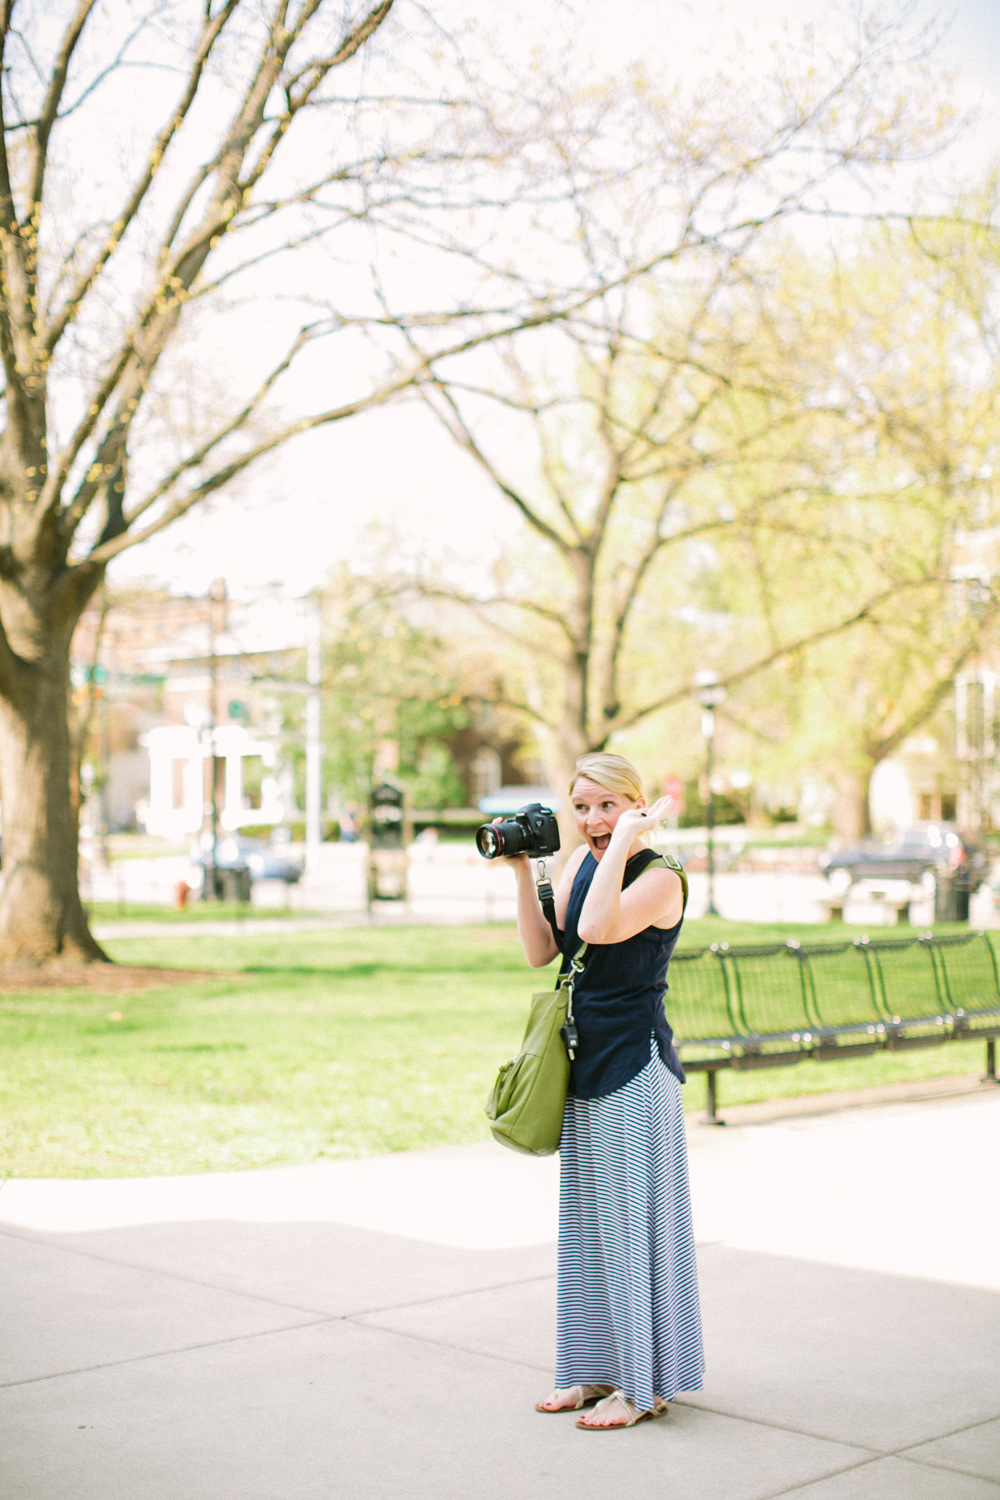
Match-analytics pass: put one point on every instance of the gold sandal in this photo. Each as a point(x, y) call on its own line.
point(584, 1395)
point(631, 1411)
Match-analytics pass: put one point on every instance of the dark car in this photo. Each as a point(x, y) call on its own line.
point(910, 854)
point(235, 851)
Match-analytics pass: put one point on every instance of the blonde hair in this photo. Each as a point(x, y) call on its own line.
point(611, 771)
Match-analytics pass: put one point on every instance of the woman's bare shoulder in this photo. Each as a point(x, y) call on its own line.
point(662, 893)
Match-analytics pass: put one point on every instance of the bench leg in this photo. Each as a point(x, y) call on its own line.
point(712, 1100)
point(991, 1062)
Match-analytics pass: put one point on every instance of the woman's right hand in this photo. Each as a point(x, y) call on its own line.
point(516, 861)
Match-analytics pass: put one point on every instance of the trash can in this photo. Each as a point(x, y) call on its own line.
point(951, 897)
point(235, 885)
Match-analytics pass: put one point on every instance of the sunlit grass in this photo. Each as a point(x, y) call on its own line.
point(305, 1045)
point(196, 911)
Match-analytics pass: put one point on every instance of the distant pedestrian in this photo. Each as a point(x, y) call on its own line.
point(629, 1323)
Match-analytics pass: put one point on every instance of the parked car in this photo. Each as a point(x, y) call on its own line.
point(930, 850)
point(236, 851)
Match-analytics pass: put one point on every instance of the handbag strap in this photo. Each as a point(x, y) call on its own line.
point(567, 981)
point(668, 862)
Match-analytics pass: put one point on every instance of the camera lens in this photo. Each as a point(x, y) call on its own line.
point(488, 842)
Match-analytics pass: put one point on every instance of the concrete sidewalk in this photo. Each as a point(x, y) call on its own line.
point(383, 1328)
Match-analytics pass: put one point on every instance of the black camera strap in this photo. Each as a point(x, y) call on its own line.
point(547, 900)
point(567, 982)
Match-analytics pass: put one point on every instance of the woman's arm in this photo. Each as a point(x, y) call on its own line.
point(534, 931)
point(532, 927)
point(656, 899)
point(611, 915)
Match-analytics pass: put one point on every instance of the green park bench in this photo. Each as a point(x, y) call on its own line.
point(768, 1005)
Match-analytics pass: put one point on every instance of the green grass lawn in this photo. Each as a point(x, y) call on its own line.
point(309, 1045)
point(196, 911)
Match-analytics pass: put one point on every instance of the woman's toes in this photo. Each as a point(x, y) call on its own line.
point(558, 1401)
point(602, 1419)
point(599, 1418)
point(611, 1412)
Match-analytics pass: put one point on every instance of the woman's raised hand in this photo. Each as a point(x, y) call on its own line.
point(635, 821)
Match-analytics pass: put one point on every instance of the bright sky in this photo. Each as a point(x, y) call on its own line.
point(317, 502)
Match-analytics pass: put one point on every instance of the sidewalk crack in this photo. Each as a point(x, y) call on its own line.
point(126, 1265)
point(10, 1232)
point(135, 1359)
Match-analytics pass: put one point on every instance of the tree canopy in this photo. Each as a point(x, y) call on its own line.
point(308, 209)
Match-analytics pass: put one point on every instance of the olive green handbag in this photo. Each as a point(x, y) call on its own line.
point(526, 1104)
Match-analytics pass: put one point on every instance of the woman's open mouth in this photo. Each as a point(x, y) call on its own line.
point(600, 840)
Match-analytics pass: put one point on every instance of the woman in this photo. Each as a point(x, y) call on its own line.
point(629, 1327)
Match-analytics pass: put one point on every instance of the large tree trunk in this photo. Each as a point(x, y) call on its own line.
point(561, 750)
point(851, 808)
point(573, 739)
point(560, 762)
point(42, 920)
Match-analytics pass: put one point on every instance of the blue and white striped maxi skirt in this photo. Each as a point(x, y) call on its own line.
point(628, 1282)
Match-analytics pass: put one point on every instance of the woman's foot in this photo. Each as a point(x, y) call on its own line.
point(575, 1397)
point(618, 1411)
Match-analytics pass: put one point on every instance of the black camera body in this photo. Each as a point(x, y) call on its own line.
point(532, 830)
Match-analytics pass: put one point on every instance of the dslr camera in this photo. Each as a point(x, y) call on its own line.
point(532, 830)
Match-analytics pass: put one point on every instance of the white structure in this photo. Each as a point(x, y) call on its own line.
point(244, 768)
point(891, 800)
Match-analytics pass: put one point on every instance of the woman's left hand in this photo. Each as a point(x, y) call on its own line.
point(635, 821)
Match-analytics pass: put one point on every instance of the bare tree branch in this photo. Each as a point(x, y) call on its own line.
point(462, 433)
point(935, 695)
point(504, 700)
point(470, 601)
point(213, 27)
point(53, 98)
point(792, 648)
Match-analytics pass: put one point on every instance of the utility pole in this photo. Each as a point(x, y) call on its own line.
point(314, 747)
point(312, 606)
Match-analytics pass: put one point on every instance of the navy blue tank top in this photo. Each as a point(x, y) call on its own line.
point(618, 1000)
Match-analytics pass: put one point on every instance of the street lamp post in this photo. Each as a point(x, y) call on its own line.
point(216, 597)
point(710, 694)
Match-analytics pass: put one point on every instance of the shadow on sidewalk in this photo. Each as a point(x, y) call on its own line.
point(218, 1360)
